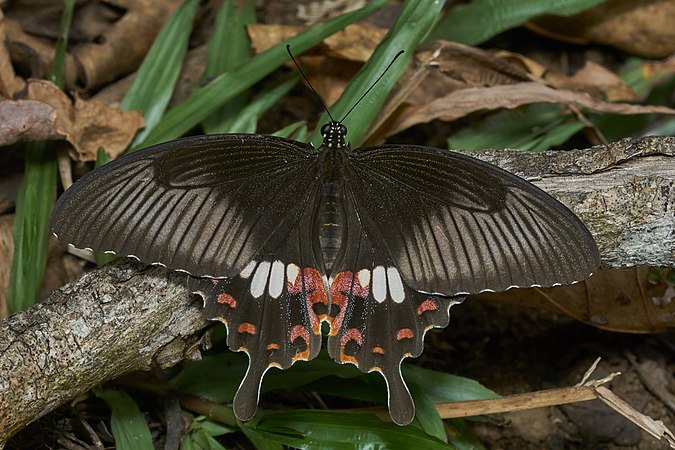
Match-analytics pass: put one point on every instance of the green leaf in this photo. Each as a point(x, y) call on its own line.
point(297, 131)
point(475, 22)
point(247, 117)
point(426, 414)
point(201, 435)
point(35, 199)
point(215, 377)
point(442, 387)
point(340, 430)
point(415, 19)
point(228, 48)
point(228, 85)
point(127, 422)
point(153, 86)
point(57, 75)
point(31, 230)
point(536, 127)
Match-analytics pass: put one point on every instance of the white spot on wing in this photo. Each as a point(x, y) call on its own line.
point(364, 277)
point(259, 280)
point(292, 272)
point(276, 279)
point(396, 290)
point(248, 270)
point(379, 284)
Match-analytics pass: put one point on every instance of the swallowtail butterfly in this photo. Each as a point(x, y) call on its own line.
point(278, 236)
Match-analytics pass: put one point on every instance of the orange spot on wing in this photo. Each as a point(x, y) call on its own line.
point(311, 283)
point(353, 334)
point(404, 333)
point(300, 332)
point(246, 328)
point(272, 346)
point(427, 305)
point(226, 299)
point(379, 350)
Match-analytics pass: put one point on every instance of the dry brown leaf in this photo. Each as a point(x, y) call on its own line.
point(617, 300)
point(119, 49)
point(642, 28)
point(596, 80)
point(9, 187)
point(109, 39)
point(356, 42)
point(338, 59)
point(34, 55)
point(9, 82)
point(467, 101)
point(451, 80)
point(592, 77)
point(48, 113)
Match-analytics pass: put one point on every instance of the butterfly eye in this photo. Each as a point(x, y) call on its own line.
point(325, 129)
point(343, 130)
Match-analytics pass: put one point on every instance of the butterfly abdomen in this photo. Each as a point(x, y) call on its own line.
point(330, 218)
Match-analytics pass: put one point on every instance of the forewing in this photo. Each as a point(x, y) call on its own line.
point(273, 308)
point(376, 319)
point(205, 205)
point(454, 224)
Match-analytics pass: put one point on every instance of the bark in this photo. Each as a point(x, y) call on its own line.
point(114, 320)
point(127, 317)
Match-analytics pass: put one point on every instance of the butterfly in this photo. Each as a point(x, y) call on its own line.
point(279, 237)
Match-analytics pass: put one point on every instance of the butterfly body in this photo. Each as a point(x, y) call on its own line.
point(279, 237)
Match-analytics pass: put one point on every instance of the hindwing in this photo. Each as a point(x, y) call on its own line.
point(273, 308)
point(376, 319)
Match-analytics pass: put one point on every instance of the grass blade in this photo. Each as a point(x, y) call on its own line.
point(535, 127)
point(475, 22)
point(228, 48)
point(128, 425)
point(153, 86)
point(35, 199)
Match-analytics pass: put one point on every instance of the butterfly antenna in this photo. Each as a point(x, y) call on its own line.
point(372, 85)
point(288, 49)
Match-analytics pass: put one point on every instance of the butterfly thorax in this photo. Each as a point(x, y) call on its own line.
point(330, 214)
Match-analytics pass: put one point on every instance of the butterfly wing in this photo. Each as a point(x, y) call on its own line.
point(376, 319)
point(422, 221)
point(453, 224)
point(273, 308)
point(205, 205)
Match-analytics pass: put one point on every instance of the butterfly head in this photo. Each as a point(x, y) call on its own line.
point(334, 134)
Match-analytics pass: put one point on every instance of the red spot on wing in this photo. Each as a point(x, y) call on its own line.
point(246, 328)
point(343, 285)
point(353, 334)
point(300, 332)
point(404, 333)
point(427, 305)
point(226, 299)
point(311, 283)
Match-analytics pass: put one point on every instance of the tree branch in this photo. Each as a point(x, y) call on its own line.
point(112, 321)
point(125, 317)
